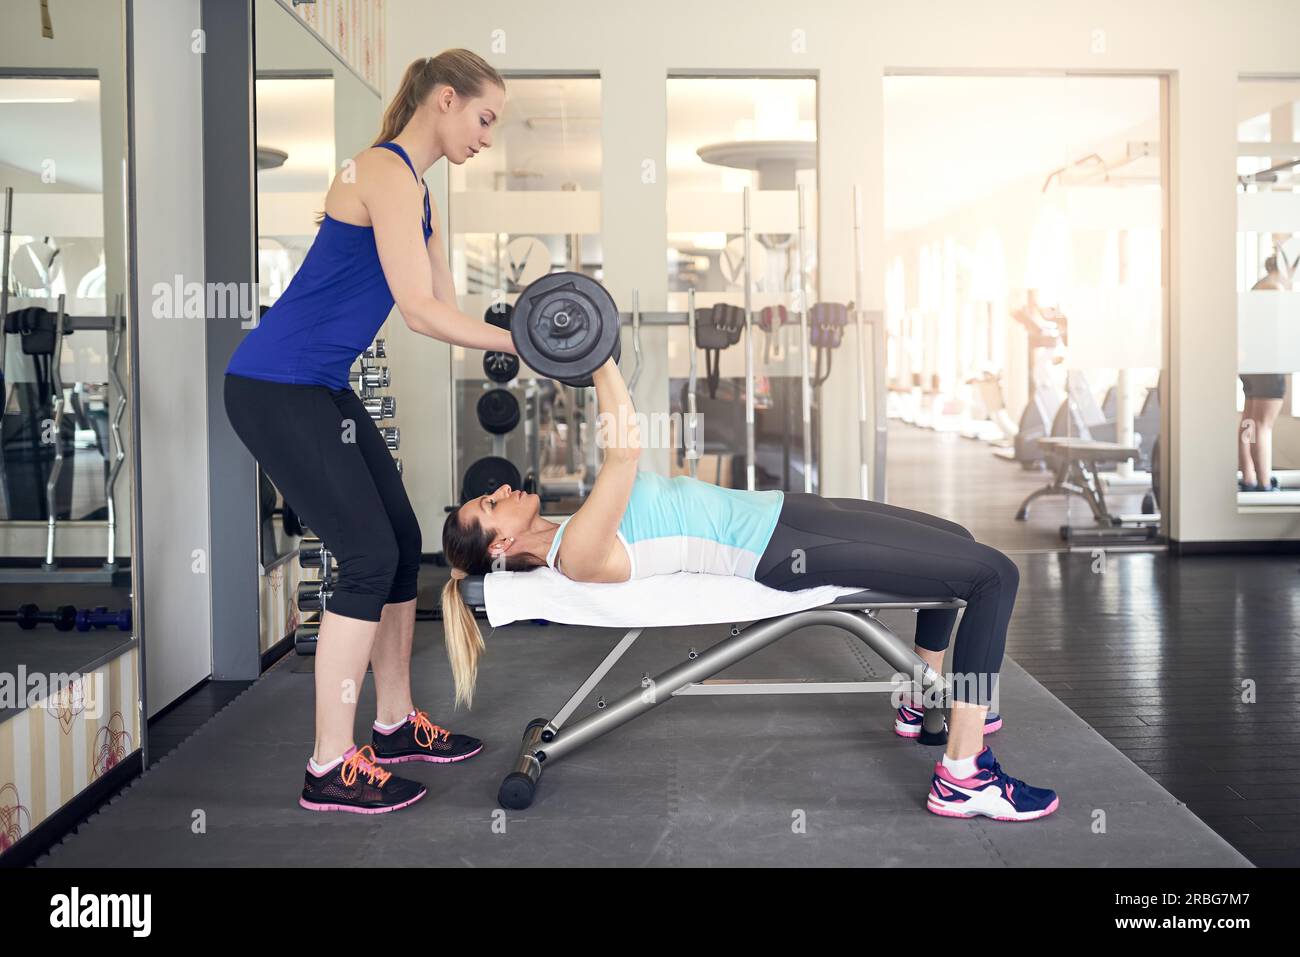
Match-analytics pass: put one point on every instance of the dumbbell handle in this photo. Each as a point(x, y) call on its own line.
point(376, 378)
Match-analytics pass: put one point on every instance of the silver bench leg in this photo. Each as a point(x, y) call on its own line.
point(545, 743)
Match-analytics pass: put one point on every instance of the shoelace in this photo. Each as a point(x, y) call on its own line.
point(999, 774)
point(363, 761)
point(430, 730)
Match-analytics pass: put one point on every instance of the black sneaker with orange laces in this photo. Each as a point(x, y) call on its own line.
point(359, 785)
point(419, 739)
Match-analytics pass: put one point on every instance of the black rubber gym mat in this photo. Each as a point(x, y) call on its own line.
point(771, 780)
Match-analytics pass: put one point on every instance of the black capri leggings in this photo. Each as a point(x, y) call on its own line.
point(843, 541)
point(327, 457)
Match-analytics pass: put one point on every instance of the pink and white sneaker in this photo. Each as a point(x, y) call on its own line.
point(907, 723)
point(990, 792)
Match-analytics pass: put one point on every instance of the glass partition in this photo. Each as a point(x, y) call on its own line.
point(1025, 304)
point(527, 207)
point(1268, 305)
point(734, 141)
point(313, 113)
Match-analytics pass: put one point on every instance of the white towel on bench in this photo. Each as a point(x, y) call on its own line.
point(685, 598)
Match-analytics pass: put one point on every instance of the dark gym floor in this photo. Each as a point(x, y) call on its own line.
point(1152, 654)
point(700, 780)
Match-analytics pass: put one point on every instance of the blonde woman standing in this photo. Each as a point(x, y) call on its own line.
point(288, 399)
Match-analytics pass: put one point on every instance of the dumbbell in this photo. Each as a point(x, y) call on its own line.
point(398, 463)
point(377, 350)
point(392, 436)
point(313, 595)
point(498, 411)
point(305, 637)
point(29, 616)
point(564, 326)
point(498, 314)
point(100, 618)
point(312, 553)
point(487, 475)
point(378, 377)
point(381, 408)
point(500, 366)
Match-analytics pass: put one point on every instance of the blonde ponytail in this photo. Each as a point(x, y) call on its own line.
point(465, 548)
point(463, 70)
point(464, 642)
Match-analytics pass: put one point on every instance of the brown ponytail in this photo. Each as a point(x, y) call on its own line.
point(463, 70)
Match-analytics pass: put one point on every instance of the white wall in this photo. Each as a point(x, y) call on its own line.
point(1203, 44)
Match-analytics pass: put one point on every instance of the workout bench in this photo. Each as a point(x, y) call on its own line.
point(546, 740)
point(1076, 471)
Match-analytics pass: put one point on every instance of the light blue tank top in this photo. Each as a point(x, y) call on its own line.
point(685, 525)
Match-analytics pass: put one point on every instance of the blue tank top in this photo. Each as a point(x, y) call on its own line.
point(685, 525)
point(330, 312)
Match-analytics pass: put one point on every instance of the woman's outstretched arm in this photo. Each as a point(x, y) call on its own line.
point(590, 550)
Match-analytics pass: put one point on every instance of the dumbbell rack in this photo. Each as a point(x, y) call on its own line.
point(369, 379)
point(313, 594)
point(499, 412)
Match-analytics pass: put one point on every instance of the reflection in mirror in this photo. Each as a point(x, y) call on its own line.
point(730, 138)
point(66, 595)
point(1268, 303)
point(1025, 304)
point(295, 161)
point(313, 113)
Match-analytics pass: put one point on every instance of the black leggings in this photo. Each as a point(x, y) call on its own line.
point(328, 459)
point(843, 541)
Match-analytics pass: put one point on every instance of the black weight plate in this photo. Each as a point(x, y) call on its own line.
point(498, 314)
point(498, 411)
point(500, 366)
point(586, 380)
point(565, 326)
point(487, 475)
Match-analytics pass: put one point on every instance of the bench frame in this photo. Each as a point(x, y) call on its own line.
point(547, 740)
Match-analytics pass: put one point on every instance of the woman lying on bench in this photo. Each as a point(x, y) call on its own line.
point(635, 524)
